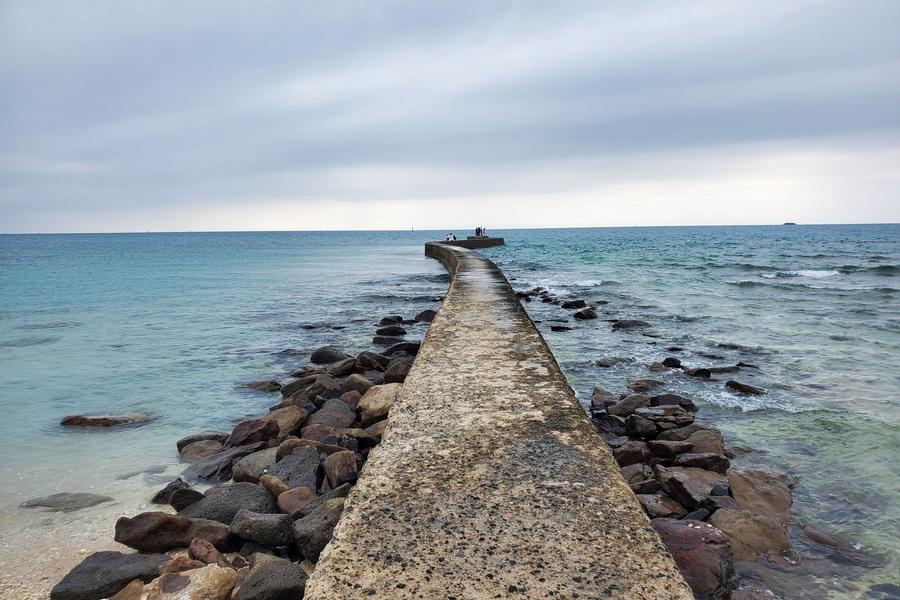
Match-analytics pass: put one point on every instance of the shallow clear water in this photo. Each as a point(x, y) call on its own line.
point(173, 323)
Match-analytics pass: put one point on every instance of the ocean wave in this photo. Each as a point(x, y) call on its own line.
point(795, 285)
point(54, 325)
point(812, 274)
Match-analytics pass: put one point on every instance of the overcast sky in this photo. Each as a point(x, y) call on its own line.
point(150, 115)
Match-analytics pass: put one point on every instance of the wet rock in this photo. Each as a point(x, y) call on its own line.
point(222, 504)
point(334, 413)
point(707, 441)
point(628, 405)
point(643, 385)
point(263, 528)
point(626, 324)
point(704, 460)
point(560, 328)
point(106, 420)
point(253, 466)
point(640, 427)
point(268, 385)
point(391, 330)
point(164, 495)
point(66, 501)
point(295, 499)
point(377, 402)
point(754, 593)
point(252, 430)
point(371, 360)
point(426, 316)
point(673, 399)
point(762, 493)
point(160, 532)
point(219, 466)
point(611, 361)
point(178, 564)
point(203, 435)
point(680, 434)
point(271, 578)
point(184, 497)
point(700, 373)
point(410, 348)
point(656, 367)
point(292, 387)
point(390, 320)
point(688, 485)
point(200, 450)
point(203, 551)
point(702, 553)
point(340, 467)
point(744, 388)
point(672, 362)
point(585, 314)
point(752, 535)
point(102, 574)
point(631, 453)
point(667, 449)
point(342, 368)
point(327, 354)
point(608, 425)
point(356, 383)
point(574, 304)
point(210, 582)
point(298, 469)
point(313, 532)
point(658, 505)
point(601, 398)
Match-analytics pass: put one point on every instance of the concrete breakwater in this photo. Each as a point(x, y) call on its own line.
point(490, 481)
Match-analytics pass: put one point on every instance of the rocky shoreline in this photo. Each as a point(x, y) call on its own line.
point(277, 486)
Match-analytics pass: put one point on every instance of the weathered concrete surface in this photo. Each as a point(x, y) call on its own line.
point(474, 243)
point(490, 481)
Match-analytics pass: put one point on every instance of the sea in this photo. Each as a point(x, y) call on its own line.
point(174, 324)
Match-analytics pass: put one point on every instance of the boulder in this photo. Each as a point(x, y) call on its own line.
point(611, 361)
point(342, 368)
point(657, 505)
point(294, 499)
point(273, 484)
point(334, 413)
point(219, 466)
point(688, 485)
point(327, 354)
point(397, 370)
point(762, 493)
point(667, 449)
point(390, 330)
point(679, 434)
point(702, 553)
point(608, 425)
point(299, 384)
point(268, 385)
point(203, 551)
point(628, 405)
point(339, 492)
point(356, 383)
point(178, 564)
point(102, 574)
point(132, 591)
point(626, 324)
point(585, 314)
point(631, 453)
point(639, 427)
point(707, 441)
point(271, 578)
point(291, 444)
point(673, 399)
point(752, 535)
point(288, 419)
point(340, 468)
point(642, 385)
point(184, 497)
point(411, 348)
point(671, 362)
point(636, 472)
point(263, 528)
point(560, 328)
point(106, 420)
point(372, 360)
point(386, 340)
point(160, 532)
point(164, 495)
point(574, 304)
point(252, 430)
point(390, 320)
point(426, 316)
point(744, 388)
point(700, 373)
point(656, 367)
point(703, 460)
point(297, 469)
point(66, 501)
point(352, 397)
point(203, 435)
point(601, 398)
point(200, 450)
point(313, 532)
point(377, 402)
point(377, 429)
point(253, 466)
point(210, 582)
point(222, 504)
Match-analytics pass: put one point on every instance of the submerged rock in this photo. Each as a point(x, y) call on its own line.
point(744, 388)
point(642, 385)
point(702, 553)
point(751, 535)
point(106, 420)
point(102, 574)
point(763, 493)
point(66, 501)
point(611, 361)
point(574, 304)
point(626, 324)
point(585, 314)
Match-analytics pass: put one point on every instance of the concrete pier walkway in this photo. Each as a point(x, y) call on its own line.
point(490, 481)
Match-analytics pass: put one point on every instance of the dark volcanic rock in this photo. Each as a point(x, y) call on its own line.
point(397, 370)
point(560, 328)
point(372, 360)
point(271, 578)
point(699, 372)
point(164, 495)
point(102, 574)
point(702, 553)
point(585, 314)
point(327, 354)
point(203, 435)
point(266, 529)
point(574, 304)
point(391, 320)
point(253, 466)
point(629, 324)
point(160, 532)
point(411, 348)
point(184, 497)
point(744, 388)
point(219, 466)
point(628, 405)
point(636, 426)
point(703, 460)
point(264, 386)
point(106, 420)
point(669, 399)
point(222, 504)
point(426, 316)
point(390, 330)
point(66, 501)
point(672, 362)
point(631, 453)
point(313, 532)
point(689, 485)
point(253, 430)
point(608, 425)
point(298, 469)
point(334, 413)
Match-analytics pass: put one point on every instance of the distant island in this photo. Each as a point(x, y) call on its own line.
point(789, 223)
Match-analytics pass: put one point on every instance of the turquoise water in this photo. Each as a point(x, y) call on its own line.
point(173, 323)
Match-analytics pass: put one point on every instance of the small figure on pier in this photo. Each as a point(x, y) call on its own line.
point(451, 237)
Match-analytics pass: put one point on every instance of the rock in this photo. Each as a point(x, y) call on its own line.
point(271, 578)
point(667, 449)
point(762, 493)
point(339, 492)
point(671, 362)
point(178, 564)
point(574, 304)
point(704, 460)
point(385, 340)
point(219, 465)
point(647, 486)
point(642, 385)
point(184, 497)
point(372, 360)
point(628, 405)
point(203, 551)
point(751, 535)
point(601, 398)
point(631, 453)
point(377, 429)
point(288, 419)
point(132, 591)
point(391, 330)
point(688, 485)
point(611, 361)
point(629, 324)
point(106, 420)
point(289, 445)
point(273, 484)
point(560, 328)
point(397, 370)
point(608, 425)
point(680, 434)
point(264, 386)
point(744, 388)
point(266, 529)
point(200, 450)
point(334, 413)
point(102, 574)
point(252, 430)
point(342, 368)
point(656, 367)
point(327, 354)
point(210, 582)
point(721, 489)
point(376, 377)
point(351, 398)
point(702, 553)
point(356, 383)
point(295, 499)
point(707, 441)
point(164, 495)
point(390, 320)
point(639, 427)
point(253, 466)
point(297, 469)
point(160, 532)
point(657, 506)
point(203, 435)
point(698, 514)
point(292, 387)
point(700, 373)
point(66, 501)
point(714, 503)
point(411, 348)
point(426, 316)
point(308, 370)
point(377, 402)
point(673, 399)
point(222, 504)
point(313, 532)
point(340, 467)
point(636, 472)
point(754, 593)
point(585, 314)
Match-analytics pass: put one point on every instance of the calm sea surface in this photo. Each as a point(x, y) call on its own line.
point(172, 324)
